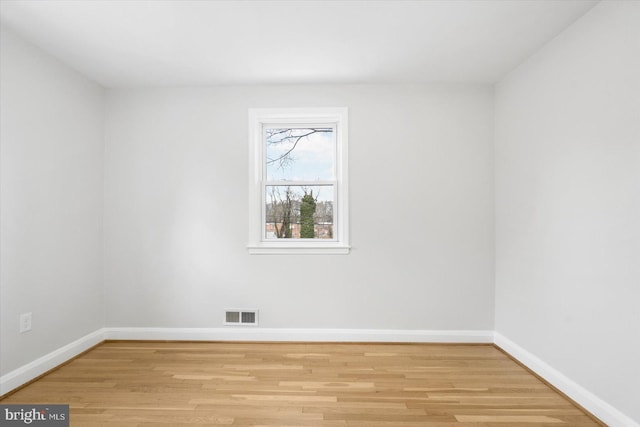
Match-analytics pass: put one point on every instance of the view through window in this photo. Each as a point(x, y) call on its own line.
point(300, 182)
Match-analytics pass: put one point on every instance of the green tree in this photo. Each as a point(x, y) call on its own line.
point(307, 211)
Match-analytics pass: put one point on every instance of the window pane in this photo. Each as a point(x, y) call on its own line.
point(299, 154)
point(299, 212)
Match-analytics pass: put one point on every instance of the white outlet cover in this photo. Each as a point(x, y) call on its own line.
point(25, 322)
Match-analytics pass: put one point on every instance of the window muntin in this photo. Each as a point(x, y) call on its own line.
point(298, 201)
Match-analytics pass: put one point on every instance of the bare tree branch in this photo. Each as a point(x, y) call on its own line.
point(285, 158)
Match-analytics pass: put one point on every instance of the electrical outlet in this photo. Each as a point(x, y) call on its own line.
point(25, 322)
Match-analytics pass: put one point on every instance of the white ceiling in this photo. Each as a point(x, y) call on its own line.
point(158, 43)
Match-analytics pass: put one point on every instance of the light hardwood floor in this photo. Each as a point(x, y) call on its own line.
point(285, 384)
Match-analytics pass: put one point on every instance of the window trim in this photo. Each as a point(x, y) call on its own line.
point(258, 118)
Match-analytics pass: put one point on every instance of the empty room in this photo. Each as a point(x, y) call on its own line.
point(320, 213)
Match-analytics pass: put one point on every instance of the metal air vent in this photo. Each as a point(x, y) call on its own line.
point(242, 317)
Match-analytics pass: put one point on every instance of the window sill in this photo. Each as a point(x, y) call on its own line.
point(298, 250)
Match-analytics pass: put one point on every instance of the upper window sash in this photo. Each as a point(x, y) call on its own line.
point(266, 161)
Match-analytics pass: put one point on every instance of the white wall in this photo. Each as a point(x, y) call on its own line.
point(176, 202)
point(568, 204)
point(51, 196)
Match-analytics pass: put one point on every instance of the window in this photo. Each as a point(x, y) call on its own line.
point(298, 181)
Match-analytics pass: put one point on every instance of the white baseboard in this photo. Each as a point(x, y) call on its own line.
point(26, 373)
point(582, 396)
point(291, 334)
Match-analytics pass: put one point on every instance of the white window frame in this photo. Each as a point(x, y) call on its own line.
point(307, 117)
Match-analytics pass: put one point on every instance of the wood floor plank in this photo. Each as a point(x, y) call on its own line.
point(139, 384)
